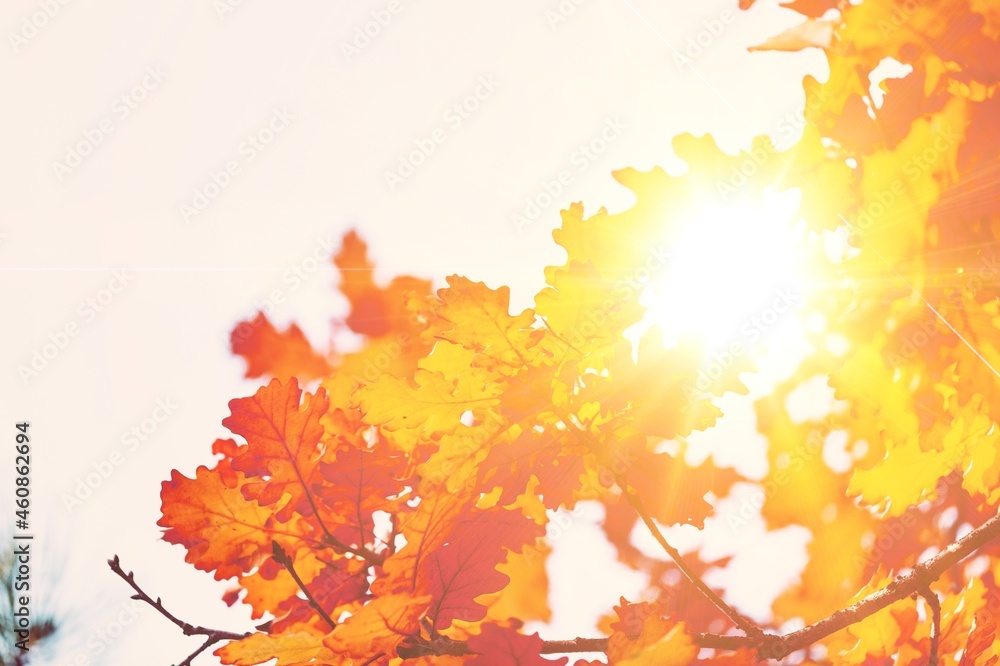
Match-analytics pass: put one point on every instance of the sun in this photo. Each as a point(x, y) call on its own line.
point(734, 271)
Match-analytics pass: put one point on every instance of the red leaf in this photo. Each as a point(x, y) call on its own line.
point(357, 484)
point(504, 646)
point(282, 444)
point(465, 567)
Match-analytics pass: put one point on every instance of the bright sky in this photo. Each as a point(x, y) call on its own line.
point(123, 118)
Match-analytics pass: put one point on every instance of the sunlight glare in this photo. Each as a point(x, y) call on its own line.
point(734, 270)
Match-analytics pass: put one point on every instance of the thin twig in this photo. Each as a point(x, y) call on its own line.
point(935, 606)
point(212, 636)
point(207, 644)
point(745, 625)
point(748, 627)
point(282, 558)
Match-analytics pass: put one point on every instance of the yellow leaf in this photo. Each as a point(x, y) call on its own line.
point(430, 406)
point(296, 649)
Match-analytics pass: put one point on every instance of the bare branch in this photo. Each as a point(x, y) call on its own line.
point(212, 636)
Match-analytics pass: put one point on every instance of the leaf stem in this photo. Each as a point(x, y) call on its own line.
point(748, 627)
point(282, 558)
point(745, 625)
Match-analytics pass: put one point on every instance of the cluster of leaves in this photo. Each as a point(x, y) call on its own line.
point(397, 511)
point(911, 180)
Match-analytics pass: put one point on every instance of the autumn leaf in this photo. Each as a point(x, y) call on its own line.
point(378, 627)
point(642, 637)
point(283, 450)
point(355, 485)
point(504, 646)
point(289, 649)
point(282, 355)
point(411, 492)
point(429, 406)
point(812, 8)
point(476, 317)
point(466, 567)
point(375, 310)
point(222, 531)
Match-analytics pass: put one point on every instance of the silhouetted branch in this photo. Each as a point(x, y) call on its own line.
point(212, 636)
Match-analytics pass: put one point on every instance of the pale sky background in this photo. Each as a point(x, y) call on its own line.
point(221, 78)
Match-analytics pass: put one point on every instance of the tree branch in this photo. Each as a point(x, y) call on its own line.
point(917, 579)
point(748, 627)
point(768, 646)
point(772, 646)
point(212, 636)
point(935, 606)
point(745, 625)
point(282, 558)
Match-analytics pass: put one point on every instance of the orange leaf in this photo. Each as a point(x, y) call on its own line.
point(282, 444)
point(504, 646)
point(379, 626)
point(280, 355)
